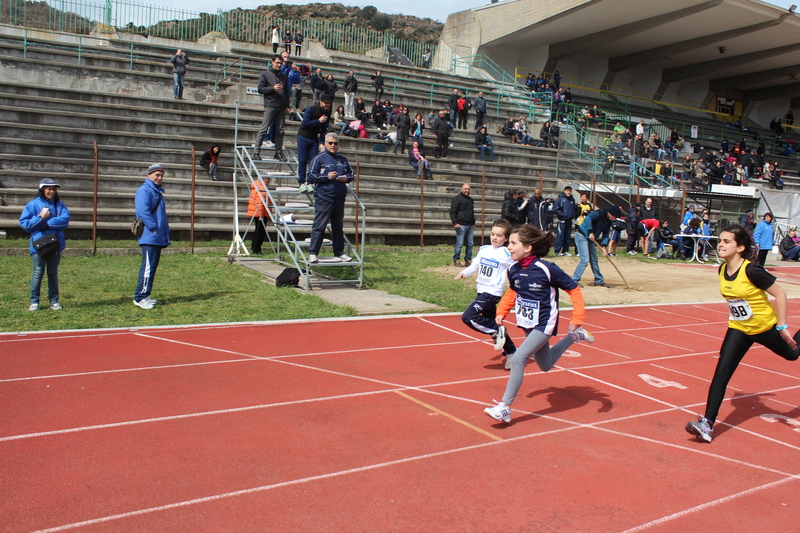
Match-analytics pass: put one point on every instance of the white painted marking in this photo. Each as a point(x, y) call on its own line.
point(660, 383)
point(774, 417)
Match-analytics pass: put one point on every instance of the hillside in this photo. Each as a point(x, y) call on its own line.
point(405, 27)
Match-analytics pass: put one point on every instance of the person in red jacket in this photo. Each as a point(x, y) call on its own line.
point(258, 206)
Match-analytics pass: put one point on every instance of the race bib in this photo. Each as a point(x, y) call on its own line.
point(527, 313)
point(739, 310)
point(486, 270)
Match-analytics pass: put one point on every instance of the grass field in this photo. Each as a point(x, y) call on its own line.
point(97, 292)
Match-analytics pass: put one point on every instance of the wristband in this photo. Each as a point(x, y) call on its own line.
point(781, 328)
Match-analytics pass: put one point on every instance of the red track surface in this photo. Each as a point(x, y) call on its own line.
point(377, 425)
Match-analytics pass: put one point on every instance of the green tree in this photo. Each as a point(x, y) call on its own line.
point(381, 22)
point(368, 12)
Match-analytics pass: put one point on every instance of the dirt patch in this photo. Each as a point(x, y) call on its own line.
point(661, 281)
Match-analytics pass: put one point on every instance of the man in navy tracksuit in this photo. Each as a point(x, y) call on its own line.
point(311, 136)
point(329, 173)
point(151, 208)
point(565, 211)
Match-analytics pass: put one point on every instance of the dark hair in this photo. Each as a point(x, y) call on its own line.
point(277, 56)
point(539, 241)
point(503, 223)
point(43, 197)
point(742, 238)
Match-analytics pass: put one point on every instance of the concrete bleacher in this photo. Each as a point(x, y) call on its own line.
point(53, 107)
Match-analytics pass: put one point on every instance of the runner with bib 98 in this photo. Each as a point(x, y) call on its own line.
point(533, 292)
point(745, 285)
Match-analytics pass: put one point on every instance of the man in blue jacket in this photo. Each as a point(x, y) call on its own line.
point(311, 137)
point(565, 210)
point(151, 208)
point(594, 230)
point(329, 173)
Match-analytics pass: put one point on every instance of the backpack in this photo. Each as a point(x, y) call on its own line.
point(290, 277)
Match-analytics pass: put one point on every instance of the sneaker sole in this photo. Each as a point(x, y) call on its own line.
point(500, 339)
point(691, 428)
point(505, 419)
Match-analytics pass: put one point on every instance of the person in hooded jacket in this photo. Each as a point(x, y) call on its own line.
point(45, 215)
point(209, 161)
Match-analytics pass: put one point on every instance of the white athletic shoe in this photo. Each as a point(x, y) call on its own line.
point(499, 338)
point(567, 254)
point(507, 364)
point(700, 429)
point(33, 307)
point(581, 335)
point(344, 257)
point(312, 258)
point(150, 300)
point(144, 304)
point(500, 412)
point(303, 188)
point(55, 306)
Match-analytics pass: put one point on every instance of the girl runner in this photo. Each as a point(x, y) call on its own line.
point(534, 287)
point(745, 285)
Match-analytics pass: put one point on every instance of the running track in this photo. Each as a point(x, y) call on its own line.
point(376, 425)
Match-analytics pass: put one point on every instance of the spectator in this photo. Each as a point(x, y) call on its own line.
point(790, 248)
point(317, 85)
point(403, 127)
point(537, 210)
point(350, 88)
point(426, 58)
point(339, 121)
point(361, 111)
point(789, 118)
point(657, 147)
point(641, 128)
point(179, 62)
point(686, 244)
point(631, 228)
point(452, 105)
point(298, 43)
point(419, 162)
point(530, 82)
point(276, 39)
point(442, 131)
point(45, 216)
point(151, 209)
point(271, 84)
point(287, 41)
point(464, 105)
point(330, 86)
point(377, 83)
point(514, 206)
point(330, 173)
point(417, 129)
point(259, 206)
point(484, 144)
point(311, 138)
point(297, 88)
point(667, 236)
point(747, 221)
point(379, 115)
point(546, 134)
point(209, 161)
point(763, 238)
point(595, 228)
point(564, 210)
point(648, 209)
point(688, 215)
point(480, 110)
point(647, 234)
point(462, 215)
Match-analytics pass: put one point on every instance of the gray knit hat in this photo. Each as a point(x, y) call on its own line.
point(155, 167)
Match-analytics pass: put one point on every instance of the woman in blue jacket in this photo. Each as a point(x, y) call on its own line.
point(45, 215)
point(764, 236)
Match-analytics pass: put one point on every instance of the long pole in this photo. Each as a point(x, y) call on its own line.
point(94, 211)
point(191, 227)
point(483, 204)
point(422, 208)
point(358, 175)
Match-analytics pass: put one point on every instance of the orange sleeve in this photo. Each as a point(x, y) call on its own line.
point(578, 306)
point(506, 303)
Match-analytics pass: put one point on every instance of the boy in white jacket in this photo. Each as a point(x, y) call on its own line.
point(491, 264)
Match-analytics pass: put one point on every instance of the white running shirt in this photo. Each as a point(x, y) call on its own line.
point(491, 264)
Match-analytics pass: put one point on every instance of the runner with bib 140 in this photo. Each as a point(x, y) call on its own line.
point(744, 284)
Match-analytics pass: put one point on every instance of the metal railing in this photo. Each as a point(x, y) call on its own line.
point(81, 17)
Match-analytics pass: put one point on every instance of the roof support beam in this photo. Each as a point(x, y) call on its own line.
point(579, 45)
point(768, 93)
point(686, 72)
point(752, 78)
point(637, 59)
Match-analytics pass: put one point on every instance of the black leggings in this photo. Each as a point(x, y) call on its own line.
point(734, 346)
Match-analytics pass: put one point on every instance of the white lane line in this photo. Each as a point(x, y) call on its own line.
point(627, 317)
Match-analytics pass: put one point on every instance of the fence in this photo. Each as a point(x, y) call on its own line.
point(81, 17)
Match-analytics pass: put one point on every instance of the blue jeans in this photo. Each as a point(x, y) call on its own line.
point(463, 237)
point(327, 211)
point(416, 167)
point(485, 150)
point(588, 252)
point(212, 171)
point(562, 237)
point(50, 263)
point(147, 271)
point(417, 138)
point(178, 84)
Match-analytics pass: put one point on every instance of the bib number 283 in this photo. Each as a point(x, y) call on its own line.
point(527, 313)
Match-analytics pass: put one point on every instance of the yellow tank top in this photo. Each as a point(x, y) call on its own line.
point(749, 307)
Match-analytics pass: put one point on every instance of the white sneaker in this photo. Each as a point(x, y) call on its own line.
point(631, 253)
point(500, 338)
point(581, 335)
point(313, 258)
point(303, 188)
point(499, 412)
point(700, 429)
point(56, 306)
point(310, 187)
point(33, 307)
point(150, 300)
point(144, 304)
point(344, 257)
point(567, 254)
point(507, 364)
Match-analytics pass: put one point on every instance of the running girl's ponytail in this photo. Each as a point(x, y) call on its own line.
point(540, 241)
point(742, 238)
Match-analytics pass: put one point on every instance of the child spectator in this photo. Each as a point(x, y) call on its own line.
point(419, 162)
point(534, 293)
point(492, 264)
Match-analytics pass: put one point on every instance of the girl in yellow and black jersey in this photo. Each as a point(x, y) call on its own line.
point(744, 285)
